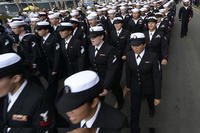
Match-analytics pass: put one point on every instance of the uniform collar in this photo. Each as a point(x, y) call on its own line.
point(75, 30)
point(99, 46)
point(136, 20)
point(158, 24)
point(90, 122)
point(141, 54)
point(55, 27)
point(68, 39)
point(45, 37)
point(13, 97)
point(119, 31)
point(23, 35)
point(186, 7)
point(152, 32)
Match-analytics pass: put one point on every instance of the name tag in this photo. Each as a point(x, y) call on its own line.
point(147, 62)
point(102, 55)
point(17, 117)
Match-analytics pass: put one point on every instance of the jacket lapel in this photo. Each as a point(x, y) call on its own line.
point(153, 37)
point(133, 62)
point(19, 102)
point(143, 58)
point(100, 50)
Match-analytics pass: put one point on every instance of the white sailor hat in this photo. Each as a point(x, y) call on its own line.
point(63, 11)
point(108, 6)
point(143, 9)
point(162, 10)
point(35, 16)
point(138, 4)
point(43, 25)
point(123, 8)
point(104, 9)
point(152, 19)
point(118, 20)
point(137, 39)
point(92, 15)
point(74, 13)
point(50, 12)
point(89, 7)
point(65, 26)
point(146, 6)
point(158, 14)
point(98, 10)
point(155, 2)
point(15, 24)
point(74, 21)
point(17, 19)
point(186, 1)
point(113, 7)
point(35, 19)
point(130, 3)
point(111, 11)
point(122, 4)
point(10, 64)
point(166, 5)
point(88, 12)
point(54, 16)
point(78, 8)
point(42, 14)
point(74, 95)
point(96, 31)
point(135, 10)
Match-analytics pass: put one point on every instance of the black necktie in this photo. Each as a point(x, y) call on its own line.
point(138, 56)
point(84, 126)
point(96, 51)
point(43, 41)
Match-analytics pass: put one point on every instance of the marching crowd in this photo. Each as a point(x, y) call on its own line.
point(57, 67)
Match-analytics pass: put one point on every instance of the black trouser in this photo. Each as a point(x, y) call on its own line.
point(184, 28)
point(118, 93)
point(135, 110)
point(116, 87)
point(52, 88)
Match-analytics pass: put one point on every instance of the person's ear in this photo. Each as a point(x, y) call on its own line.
point(95, 101)
point(16, 79)
point(102, 37)
point(144, 45)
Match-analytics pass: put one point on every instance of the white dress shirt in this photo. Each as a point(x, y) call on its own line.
point(139, 58)
point(91, 121)
point(97, 48)
point(135, 20)
point(13, 97)
point(67, 41)
point(119, 31)
point(111, 20)
point(151, 34)
point(158, 25)
point(22, 36)
point(45, 37)
point(75, 31)
point(55, 27)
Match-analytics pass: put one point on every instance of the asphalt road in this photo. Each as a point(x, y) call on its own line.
point(180, 106)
